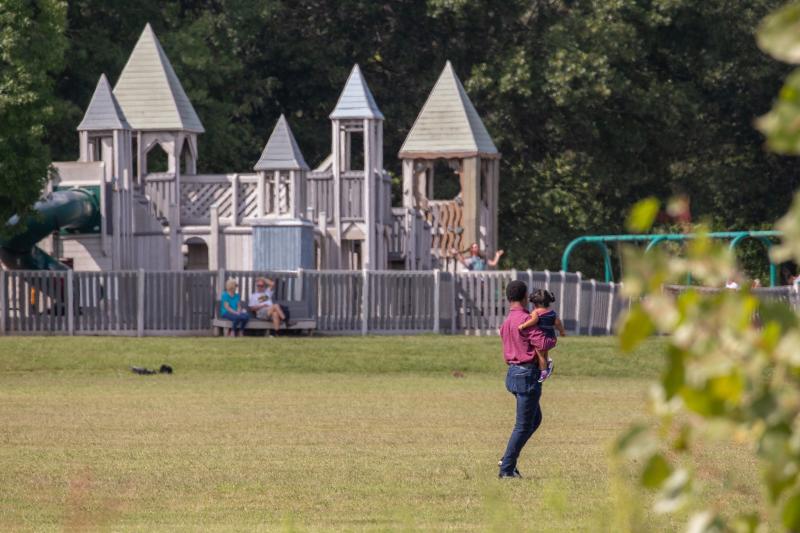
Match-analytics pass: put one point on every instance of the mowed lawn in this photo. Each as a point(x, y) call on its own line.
point(305, 434)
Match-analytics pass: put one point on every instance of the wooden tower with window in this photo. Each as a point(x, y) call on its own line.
point(448, 129)
point(362, 189)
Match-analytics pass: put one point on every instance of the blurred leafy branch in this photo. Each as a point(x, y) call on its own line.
point(732, 363)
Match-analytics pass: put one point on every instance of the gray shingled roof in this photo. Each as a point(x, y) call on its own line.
point(448, 123)
point(356, 100)
point(103, 112)
point(281, 151)
point(150, 93)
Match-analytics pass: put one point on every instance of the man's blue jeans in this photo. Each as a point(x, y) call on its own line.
point(239, 319)
point(524, 384)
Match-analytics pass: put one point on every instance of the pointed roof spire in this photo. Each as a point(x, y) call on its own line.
point(448, 124)
point(103, 112)
point(149, 90)
point(356, 100)
point(281, 151)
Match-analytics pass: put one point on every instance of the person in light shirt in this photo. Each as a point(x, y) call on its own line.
point(261, 305)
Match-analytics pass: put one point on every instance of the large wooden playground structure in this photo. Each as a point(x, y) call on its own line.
point(107, 211)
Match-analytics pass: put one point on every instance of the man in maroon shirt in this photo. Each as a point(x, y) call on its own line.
point(522, 377)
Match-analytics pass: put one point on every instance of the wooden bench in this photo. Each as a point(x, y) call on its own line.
point(301, 318)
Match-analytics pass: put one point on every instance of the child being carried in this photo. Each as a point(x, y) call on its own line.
point(545, 321)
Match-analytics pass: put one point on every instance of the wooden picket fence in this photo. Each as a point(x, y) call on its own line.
point(145, 303)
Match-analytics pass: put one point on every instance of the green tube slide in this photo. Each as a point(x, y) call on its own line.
point(73, 210)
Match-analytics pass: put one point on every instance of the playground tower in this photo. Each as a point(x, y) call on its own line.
point(448, 130)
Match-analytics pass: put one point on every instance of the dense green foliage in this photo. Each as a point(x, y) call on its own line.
point(594, 104)
point(732, 363)
point(31, 53)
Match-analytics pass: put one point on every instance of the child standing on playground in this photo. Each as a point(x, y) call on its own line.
point(544, 322)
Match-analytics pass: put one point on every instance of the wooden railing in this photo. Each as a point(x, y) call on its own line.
point(200, 192)
point(398, 243)
point(445, 219)
point(160, 189)
point(319, 194)
point(352, 200)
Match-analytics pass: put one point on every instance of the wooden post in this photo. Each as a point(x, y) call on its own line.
point(494, 185)
point(261, 188)
point(578, 305)
point(411, 238)
point(3, 302)
point(220, 282)
point(471, 195)
point(140, 303)
point(368, 246)
point(593, 301)
point(213, 240)
point(322, 223)
point(276, 192)
point(70, 297)
point(176, 258)
point(453, 300)
point(365, 302)
point(235, 200)
point(298, 288)
point(337, 196)
point(436, 299)
point(611, 296)
point(116, 229)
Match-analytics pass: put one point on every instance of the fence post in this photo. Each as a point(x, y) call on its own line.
point(530, 279)
point(454, 304)
point(365, 302)
point(3, 302)
point(513, 274)
point(593, 301)
point(220, 282)
point(140, 303)
point(578, 304)
point(546, 280)
point(70, 302)
point(298, 287)
point(611, 296)
point(561, 293)
point(436, 300)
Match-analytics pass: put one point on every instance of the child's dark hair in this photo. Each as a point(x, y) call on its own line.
point(542, 298)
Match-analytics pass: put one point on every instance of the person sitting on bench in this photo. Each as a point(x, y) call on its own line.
point(261, 305)
point(231, 308)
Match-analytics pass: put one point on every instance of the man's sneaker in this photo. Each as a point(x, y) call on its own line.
point(502, 475)
point(543, 375)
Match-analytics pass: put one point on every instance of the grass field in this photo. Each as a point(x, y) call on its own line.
point(318, 434)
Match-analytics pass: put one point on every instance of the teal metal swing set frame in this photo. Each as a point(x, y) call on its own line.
point(736, 237)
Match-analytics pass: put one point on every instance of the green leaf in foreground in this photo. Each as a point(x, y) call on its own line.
point(780, 124)
point(642, 216)
point(791, 512)
point(636, 327)
point(779, 34)
point(656, 471)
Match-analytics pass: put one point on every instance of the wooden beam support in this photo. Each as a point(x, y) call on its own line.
point(471, 195)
